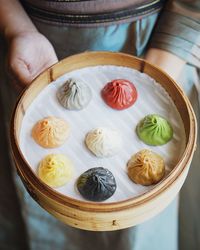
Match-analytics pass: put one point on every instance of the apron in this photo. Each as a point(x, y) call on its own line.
point(26, 225)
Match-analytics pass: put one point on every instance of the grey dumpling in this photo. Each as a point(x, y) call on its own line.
point(74, 94)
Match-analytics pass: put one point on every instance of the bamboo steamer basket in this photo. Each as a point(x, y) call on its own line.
point(104, 216)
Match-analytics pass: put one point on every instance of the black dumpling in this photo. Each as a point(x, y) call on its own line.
point(96, 184)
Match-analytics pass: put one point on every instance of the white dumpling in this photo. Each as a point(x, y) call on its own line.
point(103, 142)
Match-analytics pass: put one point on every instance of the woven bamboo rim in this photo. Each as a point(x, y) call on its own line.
point(55, 200)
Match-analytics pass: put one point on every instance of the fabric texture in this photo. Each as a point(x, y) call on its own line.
point(128, 37)
point(178, 30)
point(189, 226)
point(91, 13)
point(13, 233)
point(79, 7)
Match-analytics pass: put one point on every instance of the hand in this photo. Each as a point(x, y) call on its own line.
point(30, 53)
point(170, 63)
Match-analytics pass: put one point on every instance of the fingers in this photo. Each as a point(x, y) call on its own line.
point(170, 63)
point(20, 71)
point(29, 55)
point(23, 73)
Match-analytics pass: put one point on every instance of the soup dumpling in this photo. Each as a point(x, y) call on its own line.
point(103, 142)
point(154, 130)
point(74, 94)
point(119, 94)
point(146, 167)
point(55, 170)
point(96, 184)
point(50, 132)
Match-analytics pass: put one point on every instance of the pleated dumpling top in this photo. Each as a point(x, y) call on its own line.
point(97, 184)
point(55, 170)
point(146, 167)
point(119, 94)
point(104, 142)
point(154, 130)
point(74, 94)
point(50, 132)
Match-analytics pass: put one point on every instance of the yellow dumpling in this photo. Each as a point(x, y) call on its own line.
point(55, 170)
point(146, 167)
point(50, 132)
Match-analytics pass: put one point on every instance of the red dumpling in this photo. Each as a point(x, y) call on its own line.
point(119, 94)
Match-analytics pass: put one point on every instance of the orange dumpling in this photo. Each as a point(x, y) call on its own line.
point(50, 132)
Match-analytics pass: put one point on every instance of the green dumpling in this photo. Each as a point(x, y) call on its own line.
point(154, 130)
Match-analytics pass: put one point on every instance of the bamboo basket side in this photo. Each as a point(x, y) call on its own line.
point(39, 189)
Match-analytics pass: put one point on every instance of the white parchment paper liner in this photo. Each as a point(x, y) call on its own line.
point(152, 99)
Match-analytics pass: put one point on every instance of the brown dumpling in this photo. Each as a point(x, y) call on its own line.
point(146, 167)
point(50, 132)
